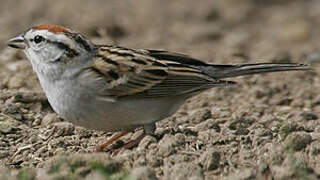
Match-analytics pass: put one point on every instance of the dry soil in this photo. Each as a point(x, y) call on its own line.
point(266, 127)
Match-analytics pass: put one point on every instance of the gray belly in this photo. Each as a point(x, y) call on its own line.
point(79, 104)
point(103, 114)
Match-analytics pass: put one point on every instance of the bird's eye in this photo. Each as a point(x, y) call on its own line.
point(38, 39)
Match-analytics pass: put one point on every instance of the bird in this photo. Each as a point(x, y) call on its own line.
point(113, 88)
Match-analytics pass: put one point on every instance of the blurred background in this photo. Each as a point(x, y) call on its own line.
point(234, 132)
point(228, 31)
point(207, 29)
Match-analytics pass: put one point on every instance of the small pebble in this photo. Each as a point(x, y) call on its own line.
point(7, 124)
point(4, 154)
point(16, 82)
point(5, 127)
point(297, 141)
point(184, 171)
point(63, 129)
point(166, 145)
point(286, 129)
point(210, 159)
point(146, 141)
point(308, 116)
point(245, 174)
point(201, 115)
point(50, 119)
point(143, 173)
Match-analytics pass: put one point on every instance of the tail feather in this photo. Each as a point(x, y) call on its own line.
point(226, 71)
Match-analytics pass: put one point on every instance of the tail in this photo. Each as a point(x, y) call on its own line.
point(226, 71)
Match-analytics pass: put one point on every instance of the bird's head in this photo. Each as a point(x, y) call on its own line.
point(49, 43)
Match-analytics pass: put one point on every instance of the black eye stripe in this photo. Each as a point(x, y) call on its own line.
point(69, 52)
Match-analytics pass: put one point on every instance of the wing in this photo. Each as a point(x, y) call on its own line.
point(144, 73)
point(175, 57)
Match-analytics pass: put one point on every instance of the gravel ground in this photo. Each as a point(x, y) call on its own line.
point(267, 127)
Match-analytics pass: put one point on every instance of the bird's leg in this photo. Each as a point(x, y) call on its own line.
point(147, 129)
point(110, 141)
point(131, 143)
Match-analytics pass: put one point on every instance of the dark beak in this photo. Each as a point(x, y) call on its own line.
point(17, 42)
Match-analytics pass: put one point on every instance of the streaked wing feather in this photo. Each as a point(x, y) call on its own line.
point(175, 57)
point(181, 85)
point(135, 72)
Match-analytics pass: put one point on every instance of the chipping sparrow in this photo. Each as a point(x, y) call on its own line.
point(112, 88)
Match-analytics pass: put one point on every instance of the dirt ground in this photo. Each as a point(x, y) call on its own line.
point(266, 127)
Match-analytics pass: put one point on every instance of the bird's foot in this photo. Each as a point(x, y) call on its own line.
point(129, 144)
point(100, 147)
point(116, 148)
